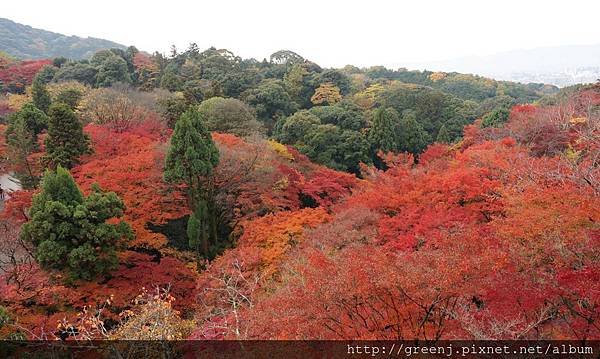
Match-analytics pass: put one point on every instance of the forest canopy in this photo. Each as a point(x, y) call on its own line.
point(200, 195)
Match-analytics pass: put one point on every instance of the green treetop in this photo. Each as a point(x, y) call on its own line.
point(40, 95)
point(414, 138)
point(384, 132)
point(192, 154)
point(443, 135)
point(111, 69)
point(34, 119)
point(229, 115)
point(21, 143)
point(70, 231)
point(191, 159)
point(66, 141)
point(496, 118)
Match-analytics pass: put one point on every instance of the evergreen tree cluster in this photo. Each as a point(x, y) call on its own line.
point(70, 231)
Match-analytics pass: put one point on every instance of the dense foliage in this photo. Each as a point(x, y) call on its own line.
point(191, 159)
point(66, 141)
point(69, 231)
point(495, 238)
point(345, 100)
point(276, 199)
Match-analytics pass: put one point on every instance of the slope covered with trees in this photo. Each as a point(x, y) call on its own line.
point(28, 43)
point(495, 237)
point(228, 198)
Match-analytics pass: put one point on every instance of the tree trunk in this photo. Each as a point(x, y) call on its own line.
point(205, 239)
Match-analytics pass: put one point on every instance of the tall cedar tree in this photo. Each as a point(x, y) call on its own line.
point(40, 95)
point(383, 135)
point(414, 138)
point(66, 141)
point(70, 232)
point(191, 159)
point(444, 135)
point(21, 138)
point(21, 144)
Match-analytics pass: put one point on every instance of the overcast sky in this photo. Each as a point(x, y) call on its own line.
point(331, 33)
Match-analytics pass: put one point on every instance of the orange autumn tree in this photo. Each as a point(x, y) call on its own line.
point(240, 271)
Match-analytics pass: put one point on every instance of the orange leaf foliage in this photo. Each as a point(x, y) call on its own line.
point(497, 238)
point(130, 164)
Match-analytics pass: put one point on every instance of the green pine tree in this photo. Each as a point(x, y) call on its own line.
point(22, 140)
point(495, 118)
point(34, 119)
point(66, 141)
point(21, 143)
point(414, 138)
point(383, 134)
point(192, 154)
point(443, 135)
point(40, 95)
point(191, 158)
point(69, 231)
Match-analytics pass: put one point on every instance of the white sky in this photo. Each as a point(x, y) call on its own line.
point(331, 33)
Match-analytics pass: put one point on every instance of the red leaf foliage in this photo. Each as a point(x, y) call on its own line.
point(43, 300)
point(496, 238)
point(130, 164)
point(16, 76)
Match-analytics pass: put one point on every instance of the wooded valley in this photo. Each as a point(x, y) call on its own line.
point(200, 195)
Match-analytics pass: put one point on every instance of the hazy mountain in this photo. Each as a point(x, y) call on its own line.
point(25, 42)
point(560, 65)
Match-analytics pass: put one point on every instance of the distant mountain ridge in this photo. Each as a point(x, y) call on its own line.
point(557, 65)
point(26, 42)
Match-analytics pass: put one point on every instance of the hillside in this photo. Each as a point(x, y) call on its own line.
point(494, 237)
point(26, 42)
point(208, 196)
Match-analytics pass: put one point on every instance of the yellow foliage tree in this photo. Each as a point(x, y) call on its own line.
point(152, 318)
point(327, 93)
point(15, 102)
point(437, 76)
point(281, 150)
point(5, 59)
point(366, 98)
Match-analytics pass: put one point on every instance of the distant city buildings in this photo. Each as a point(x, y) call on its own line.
point(567, 77)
